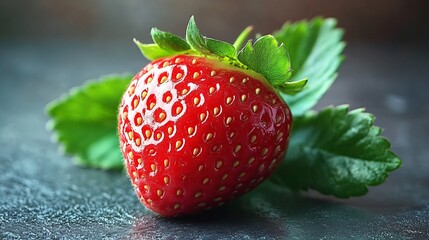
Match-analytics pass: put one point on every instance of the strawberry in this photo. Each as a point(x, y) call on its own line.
point(202, 124)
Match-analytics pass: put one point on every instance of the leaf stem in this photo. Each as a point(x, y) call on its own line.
point(242, 37)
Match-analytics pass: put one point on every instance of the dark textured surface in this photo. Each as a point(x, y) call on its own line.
point(43, 195)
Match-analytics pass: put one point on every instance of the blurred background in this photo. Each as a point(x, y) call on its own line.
point(374, 21)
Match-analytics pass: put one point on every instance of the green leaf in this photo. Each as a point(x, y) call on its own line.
point(169, 41)
point(194, 38)
point(267, 57)
point(152, 51)
point(337, 152)
point(292, 88)
point(221, 48)
point(85, 122)
point(315, 50)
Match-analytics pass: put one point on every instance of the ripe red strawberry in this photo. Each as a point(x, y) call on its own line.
point(196, 131)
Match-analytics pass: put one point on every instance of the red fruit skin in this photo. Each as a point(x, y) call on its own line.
point(195, 132)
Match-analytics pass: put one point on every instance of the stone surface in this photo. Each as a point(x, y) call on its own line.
point(44, 196)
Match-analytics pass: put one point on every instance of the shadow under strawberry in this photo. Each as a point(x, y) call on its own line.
point(267, 212)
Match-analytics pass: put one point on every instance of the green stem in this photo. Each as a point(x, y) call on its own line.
point(242, 37)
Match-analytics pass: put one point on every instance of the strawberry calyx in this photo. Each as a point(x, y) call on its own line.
point(264, 56)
